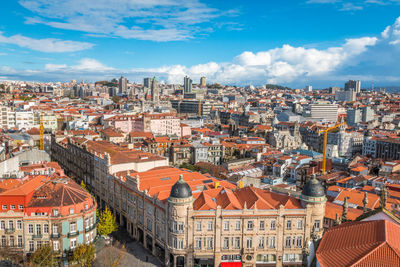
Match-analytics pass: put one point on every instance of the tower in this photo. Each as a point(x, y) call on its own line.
point(180, 209)
point(187, 85)
point(122, 85)
point(155, 91)
point(203, 82)
point(313, 199)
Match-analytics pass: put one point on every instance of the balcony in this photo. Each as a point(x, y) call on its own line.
point(71, 234)
point(38, 236)
point(9, 230)
point(57, 235)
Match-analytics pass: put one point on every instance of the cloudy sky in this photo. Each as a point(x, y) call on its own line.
point(291, 42)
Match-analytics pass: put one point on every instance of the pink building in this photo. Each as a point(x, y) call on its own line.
point(186, 131)
point(162, 124)
point(125, 123)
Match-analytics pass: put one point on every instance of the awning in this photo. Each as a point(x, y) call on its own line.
point(231, 264)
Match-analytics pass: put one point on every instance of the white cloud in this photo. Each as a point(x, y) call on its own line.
point(157, 20)
point(367, 58)
point(48, 45)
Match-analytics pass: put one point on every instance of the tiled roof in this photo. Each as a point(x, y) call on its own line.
point(369, 243)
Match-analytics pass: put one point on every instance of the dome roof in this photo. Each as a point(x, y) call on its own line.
point(181, 189)
point(313, 188)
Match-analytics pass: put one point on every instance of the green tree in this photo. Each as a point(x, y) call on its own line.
point(107, 223)
point(44, 256)
point(83, 185)
point(84, 255)
point(116, 99)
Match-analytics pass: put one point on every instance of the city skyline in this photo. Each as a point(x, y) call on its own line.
point(238, 44)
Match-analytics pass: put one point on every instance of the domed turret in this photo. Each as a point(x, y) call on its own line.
point(313, 191)
point(180, 189)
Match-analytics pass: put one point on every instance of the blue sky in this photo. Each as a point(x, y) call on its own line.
point(317, 42)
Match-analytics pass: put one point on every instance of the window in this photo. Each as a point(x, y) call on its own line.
point(272, 242)
point(250, 225)
point(299, 242)
point(198, 242)
point(31, 246)
point(149, 225)
point(288, 242)
point(198, 226)
point(210, 225)
point(237, 225)
point(237, 242)
point(19, 225)
point(73, 243)
point(226, 243)
point(210, 242)
point(38, 244)
point(249, 242)
point(19, 241)
point(4, 207)
point(262, 225)
point(288, 225)
point(300, 224)
point(30, 228)
point(55, 212)
point(10, 224)
point(317, 225)
point(87, 223)
point(46, 228)
point(12, 243)
point(226, 225)
point(38, 229)
point(174, 227)
point(20, 207)
point(2, 225)
point(273, 227)
point(12, 207)
point(3, 241)
point(86, 206)
point(71, 211)
point(55, 229)
point(180, 244)
point(55, 245)
point(180, 227)
point(175, 242)
point(261, 242)
point(72, 227)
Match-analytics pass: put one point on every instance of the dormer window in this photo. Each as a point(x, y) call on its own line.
point(71, 211)
point(55, 212)
point(86, 206)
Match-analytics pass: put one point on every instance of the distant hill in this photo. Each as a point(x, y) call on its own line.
point(279, 87)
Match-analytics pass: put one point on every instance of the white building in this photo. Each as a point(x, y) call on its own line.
point(324, 111)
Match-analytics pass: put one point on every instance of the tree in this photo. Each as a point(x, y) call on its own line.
point(84, 186)
point(84, 255)
point(44, 256)
point(107, 223)
point(116, 99)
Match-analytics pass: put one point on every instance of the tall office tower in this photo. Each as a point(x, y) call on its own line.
point(187, 85)
point(155, 91)
point(367, 114)
point(322, 111)
point(308, 88)
point(353, 85)
point(122, 85)
point(353, 116)
point(147, 82)
point(203, 82)
point(333, 89)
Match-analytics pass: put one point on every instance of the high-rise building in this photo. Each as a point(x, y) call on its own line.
point(353, 116)
point(203, 82)
point(367, 114)
point(155, 91)
point(147, 82)
point(187, 85)
point(322, 111)
point(348, 96)
point(353, 85)
point(122, 85)
point(308, 88)
point(333, 89)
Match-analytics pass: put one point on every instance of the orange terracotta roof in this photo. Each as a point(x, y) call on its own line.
point(367, 243)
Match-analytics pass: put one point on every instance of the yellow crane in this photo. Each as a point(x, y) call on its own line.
point(325, 131)
point(41, 132)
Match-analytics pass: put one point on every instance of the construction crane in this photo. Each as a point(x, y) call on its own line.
point(41, 132)
point(325, 131)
